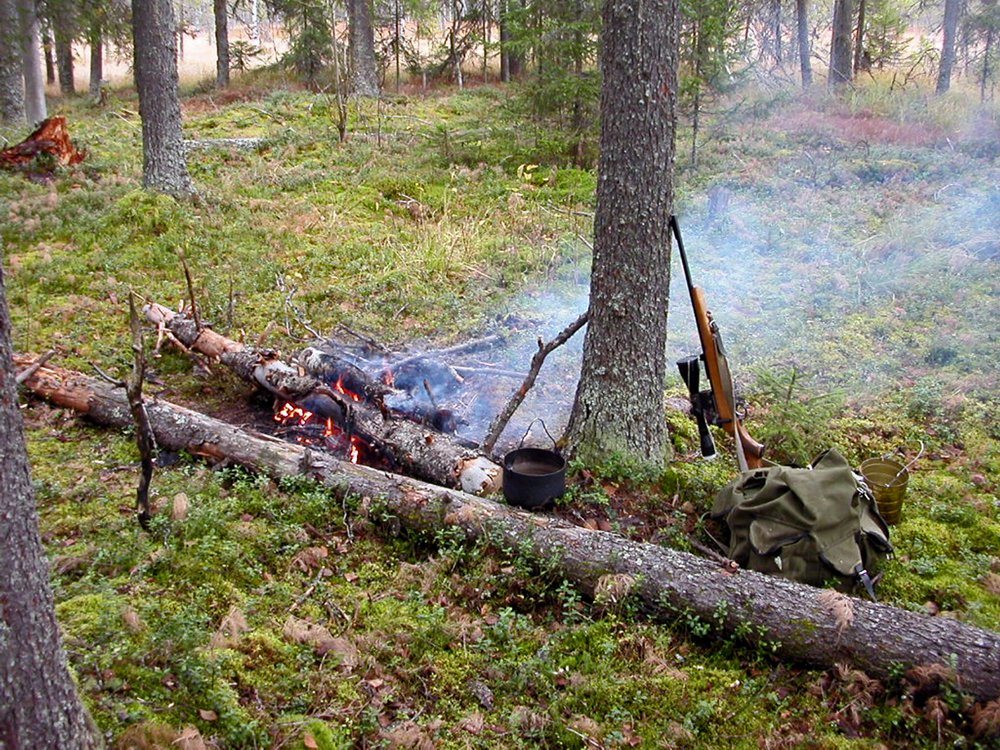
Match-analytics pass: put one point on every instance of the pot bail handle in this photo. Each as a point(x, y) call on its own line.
point(531, 424)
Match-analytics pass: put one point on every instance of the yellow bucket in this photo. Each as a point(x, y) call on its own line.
point(887, 480)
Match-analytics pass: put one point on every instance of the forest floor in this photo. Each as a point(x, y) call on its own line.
point(849, 247)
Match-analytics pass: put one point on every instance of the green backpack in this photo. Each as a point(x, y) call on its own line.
point(815, 525)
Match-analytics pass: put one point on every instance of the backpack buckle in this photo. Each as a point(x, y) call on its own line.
point(866, 579)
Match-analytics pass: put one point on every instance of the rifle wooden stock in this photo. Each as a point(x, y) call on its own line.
point(749, 452)
point(717, 369)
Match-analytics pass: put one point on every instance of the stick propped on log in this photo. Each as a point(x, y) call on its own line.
point(792, 621)
point(412, 448)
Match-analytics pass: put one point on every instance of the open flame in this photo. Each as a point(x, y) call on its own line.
point(294, 416)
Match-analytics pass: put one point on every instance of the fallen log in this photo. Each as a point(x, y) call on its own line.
point(414, 449)
point(791, 621)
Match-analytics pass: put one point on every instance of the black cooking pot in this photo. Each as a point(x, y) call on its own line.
point(533, 477)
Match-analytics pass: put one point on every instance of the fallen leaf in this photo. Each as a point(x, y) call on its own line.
point(132, 620)
point(309, 558)
point(351, 577)
point(189, 739)
point(473, 723)
point(230, 629)
point(309, 741)
point(343, 648)
point(207, 714)
point(179, 510)
point(317, 636)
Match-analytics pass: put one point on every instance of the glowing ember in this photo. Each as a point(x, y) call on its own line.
point(291, 413)
point(339, 388)
point(334, 438)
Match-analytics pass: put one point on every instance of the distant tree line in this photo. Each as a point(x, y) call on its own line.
point(363, 47)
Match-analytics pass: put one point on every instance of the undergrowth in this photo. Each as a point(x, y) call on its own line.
point(854, 278)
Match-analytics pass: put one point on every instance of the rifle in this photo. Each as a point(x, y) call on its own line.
point(718, 404)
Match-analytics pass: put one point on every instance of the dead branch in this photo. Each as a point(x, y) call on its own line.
point(143, 432)
point(190, 288)
point(498, 424)
point(31, 370)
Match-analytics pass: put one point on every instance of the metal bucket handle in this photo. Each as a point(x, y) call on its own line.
point(555, 447)
point(907, 466)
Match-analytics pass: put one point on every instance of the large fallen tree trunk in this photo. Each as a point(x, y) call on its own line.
point(792, 621)
point(412, 448)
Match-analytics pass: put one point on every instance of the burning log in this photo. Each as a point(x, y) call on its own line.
point(51, 139)
point(789, 620)
point(358, 413)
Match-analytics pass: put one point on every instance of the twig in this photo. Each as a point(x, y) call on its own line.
point(377, 345)
point(116, 382)
point(230, 306)
point(430, 394)
point(190, 286)
point(143, 431)
point(31, 369)
point(264, 334)
point(466, 348)
point(544, 350)
point(498, 372)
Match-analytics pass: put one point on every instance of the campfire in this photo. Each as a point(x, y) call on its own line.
point(428, 414)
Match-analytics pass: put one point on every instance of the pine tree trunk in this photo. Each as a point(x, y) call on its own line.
point(840, 46)
point(39, 707)
point(504, 43)
point(952, 9)
point(221, 44)
point(96, 41)
point(619, 400)
point(31, 61)
point(802, 21)
point(361, 44)
point(64, 59)
point(164, 167)
point(11, 76)
point(778, 52)
point(50, 58)
point(859, 37)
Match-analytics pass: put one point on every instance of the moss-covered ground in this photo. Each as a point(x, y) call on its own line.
point(849, 247)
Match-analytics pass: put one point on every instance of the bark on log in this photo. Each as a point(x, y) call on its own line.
point(792, 621)
point(412, 448)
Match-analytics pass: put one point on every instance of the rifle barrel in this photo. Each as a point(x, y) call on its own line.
point(675, 227)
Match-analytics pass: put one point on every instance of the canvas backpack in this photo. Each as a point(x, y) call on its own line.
point(815, 525)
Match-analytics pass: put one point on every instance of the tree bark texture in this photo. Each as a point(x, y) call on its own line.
point(39, 707)
point(11, 75)
point(952, 10)
point(619, 400)
point(361, 43)
point(95, 38)
point(49, 57)
point(802, 22)
point(31, 62)
point(62, 26)
point(792, 621)
point(221, 44)
point(163, 164)
point(413, 448)
point(859, 38)
point(840, 45)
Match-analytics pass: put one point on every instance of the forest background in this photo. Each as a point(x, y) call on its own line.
point(848, 239)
